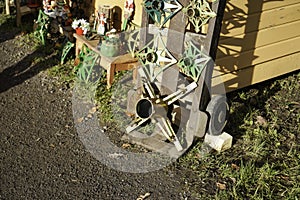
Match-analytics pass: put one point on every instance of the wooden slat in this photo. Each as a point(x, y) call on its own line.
point(257, 39)
point(257, 73)
point(259, 21)
point(240, 7)
point(258, 55)
point(7, 7)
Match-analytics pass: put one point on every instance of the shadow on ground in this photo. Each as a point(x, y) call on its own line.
point(26, 68)
point(9, 29)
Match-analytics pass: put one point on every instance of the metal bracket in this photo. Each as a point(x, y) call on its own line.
point(88, 60)
point(65, 51)
point(41, 29)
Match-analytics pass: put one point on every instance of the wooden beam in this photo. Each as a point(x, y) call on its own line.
point(18, 7)
point(7, 7)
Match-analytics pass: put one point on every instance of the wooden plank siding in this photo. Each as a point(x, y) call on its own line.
point(260, 40)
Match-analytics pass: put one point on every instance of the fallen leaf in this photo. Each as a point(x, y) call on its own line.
point(142, 197)
point(261, 121)
point(221, 186)
point(233, 179)
point(234, 166)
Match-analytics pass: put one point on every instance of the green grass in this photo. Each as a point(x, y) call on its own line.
point(264, 160)
point(64, 72)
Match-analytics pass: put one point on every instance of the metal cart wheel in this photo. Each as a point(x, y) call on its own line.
point(218, 110)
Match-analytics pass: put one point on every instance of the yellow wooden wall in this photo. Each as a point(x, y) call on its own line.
point(259, 40)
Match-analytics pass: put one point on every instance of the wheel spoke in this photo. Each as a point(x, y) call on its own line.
point(169, 133)
point(180, 93)
point(137, 123)
point(149, 89)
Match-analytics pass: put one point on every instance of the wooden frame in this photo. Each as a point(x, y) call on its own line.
point(110, 64)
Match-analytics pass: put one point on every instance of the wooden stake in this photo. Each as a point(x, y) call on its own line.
point(7, 7)
point(18, 13)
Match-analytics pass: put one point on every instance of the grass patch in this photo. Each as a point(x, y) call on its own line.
point(264, 160)
point(63, 72)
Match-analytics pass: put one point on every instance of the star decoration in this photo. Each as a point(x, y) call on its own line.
point(193, 62)
point(133, 41)
point(199, 12)
point(155, 57)
point(161, 11)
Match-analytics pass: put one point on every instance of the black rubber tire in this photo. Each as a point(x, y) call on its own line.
point(218, 110)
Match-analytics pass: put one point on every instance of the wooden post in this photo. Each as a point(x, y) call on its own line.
point(7, 7)
point(18, 13)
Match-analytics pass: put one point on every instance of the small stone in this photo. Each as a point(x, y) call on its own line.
point(126, 145)
point(93, 110)
point(219, 142)
point(79, 120)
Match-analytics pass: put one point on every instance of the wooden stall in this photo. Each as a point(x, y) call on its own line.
point(259, 39)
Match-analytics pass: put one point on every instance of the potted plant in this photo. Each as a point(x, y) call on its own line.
point(111, 44)
point(81, 26)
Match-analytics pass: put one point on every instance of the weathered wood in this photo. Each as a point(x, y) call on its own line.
point(175, 39)
point(233, 45)
point(260, 72)
point(258, 21)
point(175, 44)
point(154, 143)
point(18, 8)
point(259, 55)
point(239, 8)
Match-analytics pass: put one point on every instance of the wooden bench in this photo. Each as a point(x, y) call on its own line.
point(110, 64)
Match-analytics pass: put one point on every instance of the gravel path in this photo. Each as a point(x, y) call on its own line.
point(41, 156)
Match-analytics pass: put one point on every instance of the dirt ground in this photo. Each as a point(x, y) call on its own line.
point(41, 156)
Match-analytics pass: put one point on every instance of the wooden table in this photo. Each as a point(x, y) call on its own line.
point(110, 64)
